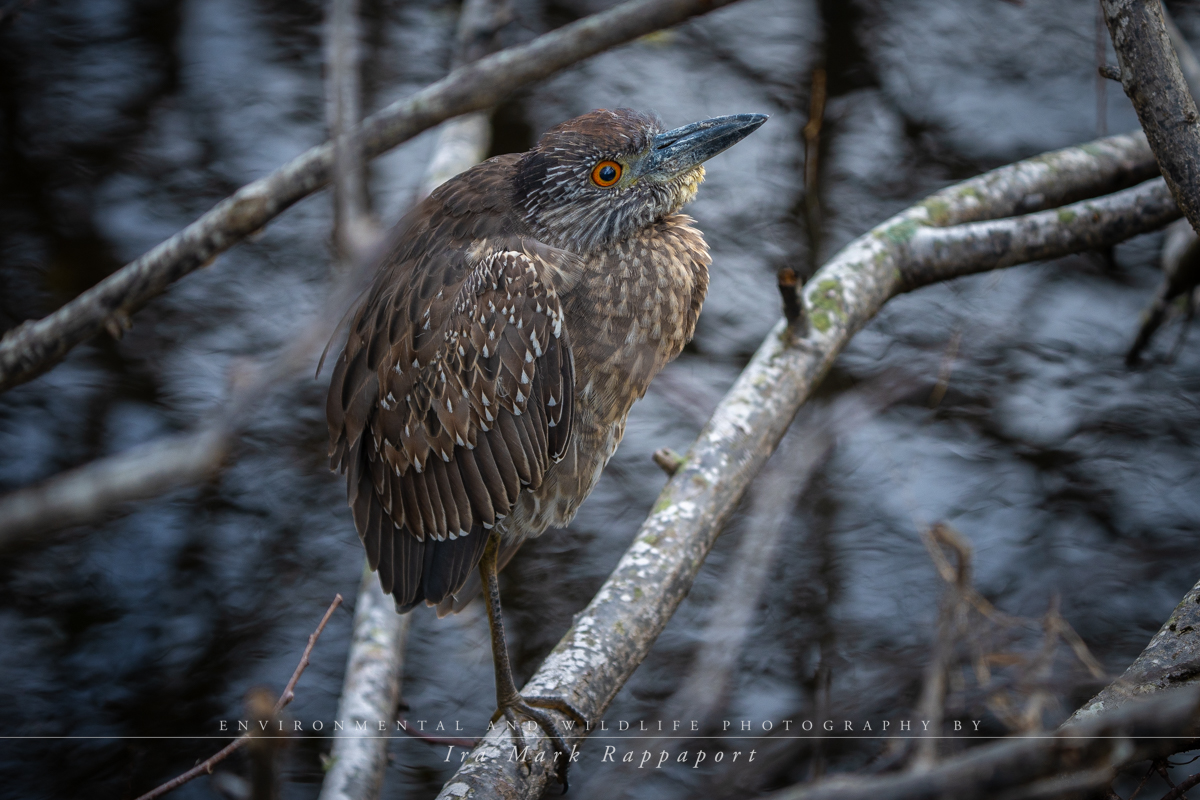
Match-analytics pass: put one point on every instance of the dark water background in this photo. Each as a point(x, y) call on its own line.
point(125, 119)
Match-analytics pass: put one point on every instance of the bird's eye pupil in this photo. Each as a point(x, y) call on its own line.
point(607, 174)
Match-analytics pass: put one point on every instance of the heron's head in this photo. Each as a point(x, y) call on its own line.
point(601, 177)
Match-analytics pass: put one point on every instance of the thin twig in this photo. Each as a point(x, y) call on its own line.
point(947, 366)
point(1038, 674)
point(952, 619)
point(1181, 790)
point(206, 767)
point(288, 693)
point(812, 164)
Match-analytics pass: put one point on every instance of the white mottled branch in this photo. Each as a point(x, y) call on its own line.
point(370, 693)
point(613, 634)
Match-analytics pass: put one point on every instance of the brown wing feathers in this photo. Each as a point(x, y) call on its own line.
point(455, 390)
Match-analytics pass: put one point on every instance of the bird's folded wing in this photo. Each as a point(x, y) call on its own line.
point(455, 391)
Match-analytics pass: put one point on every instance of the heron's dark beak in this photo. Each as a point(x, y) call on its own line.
point(683, 148)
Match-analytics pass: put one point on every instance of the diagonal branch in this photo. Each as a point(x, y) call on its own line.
point(613, 634)
point(33, 347)
point(1171, 659)
point(89, 493)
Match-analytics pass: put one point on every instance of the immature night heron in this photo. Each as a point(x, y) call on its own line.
point(520, 311)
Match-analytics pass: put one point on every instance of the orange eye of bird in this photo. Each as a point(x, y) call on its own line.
point(606, 173)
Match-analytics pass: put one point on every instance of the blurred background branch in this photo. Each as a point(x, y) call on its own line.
point(35, 346)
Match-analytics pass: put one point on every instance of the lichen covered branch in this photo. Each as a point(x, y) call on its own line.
point(613, 634)
point(370, 693)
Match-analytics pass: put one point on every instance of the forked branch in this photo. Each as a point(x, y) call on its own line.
point(613, 634)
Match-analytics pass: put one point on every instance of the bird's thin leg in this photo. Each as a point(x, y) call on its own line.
point(508, 699)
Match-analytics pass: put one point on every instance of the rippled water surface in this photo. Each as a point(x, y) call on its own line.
point(1071, 476)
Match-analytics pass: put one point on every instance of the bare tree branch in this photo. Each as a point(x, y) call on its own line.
point(370, 693)
point(90, 492)
point(206, 767)
point(1075, 758)
point(107, 485)
point(353, 234)
point(939, 253)
point(612, 635)
point(775, 494)
point(1181, 246)
point(1151, 77)
point(1171, 659)
point(704, 691)
point(35, 346)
